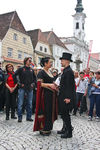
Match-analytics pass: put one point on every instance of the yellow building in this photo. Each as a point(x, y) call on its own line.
point(15, 43)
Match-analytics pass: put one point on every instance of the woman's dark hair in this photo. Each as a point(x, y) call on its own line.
point(81, 72)
point(8, 66)
point(26, 59)
point(44, 60)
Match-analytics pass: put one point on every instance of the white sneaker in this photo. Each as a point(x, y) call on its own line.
point(90, 118)
point(97, 119)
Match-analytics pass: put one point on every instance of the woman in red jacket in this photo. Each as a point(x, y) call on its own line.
point(11, 84)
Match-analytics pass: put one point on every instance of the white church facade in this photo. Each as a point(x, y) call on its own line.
point(77, 44)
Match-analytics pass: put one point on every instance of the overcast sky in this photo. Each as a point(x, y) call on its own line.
point(56, 15)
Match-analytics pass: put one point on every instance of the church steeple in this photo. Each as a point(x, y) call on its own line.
point(79, 21)
point(79, 7)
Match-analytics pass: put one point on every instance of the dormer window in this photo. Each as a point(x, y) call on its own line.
point(15, 37)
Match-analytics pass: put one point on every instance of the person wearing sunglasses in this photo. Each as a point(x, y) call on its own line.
point(27, 80)
point(10, 91)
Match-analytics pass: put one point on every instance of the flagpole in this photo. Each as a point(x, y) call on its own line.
point(90, 50)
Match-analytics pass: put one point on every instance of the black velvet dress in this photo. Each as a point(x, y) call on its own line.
point(48, 97)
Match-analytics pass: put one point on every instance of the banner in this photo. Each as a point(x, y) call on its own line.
point(90, 50)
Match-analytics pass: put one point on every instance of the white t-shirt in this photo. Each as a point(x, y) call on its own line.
point(82, 85)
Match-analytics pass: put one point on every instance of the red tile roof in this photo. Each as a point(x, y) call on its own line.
point(10, 20)
point(36, 35)
point(52, 38)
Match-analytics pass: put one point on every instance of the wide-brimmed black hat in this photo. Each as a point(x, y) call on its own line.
point(66, 56)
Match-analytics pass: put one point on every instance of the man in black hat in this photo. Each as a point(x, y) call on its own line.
point(66, 95)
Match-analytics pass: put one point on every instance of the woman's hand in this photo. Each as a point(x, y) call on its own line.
point(52, 86)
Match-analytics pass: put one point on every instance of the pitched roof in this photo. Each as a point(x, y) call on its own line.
point(10, 20)
point(53, 39)
point(36, 35)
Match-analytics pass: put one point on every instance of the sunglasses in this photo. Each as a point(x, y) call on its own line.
point(10, 67)
point(30, 61)
point(98, 73)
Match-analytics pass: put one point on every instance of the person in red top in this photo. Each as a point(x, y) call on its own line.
point(10, 92)
point(87, 71)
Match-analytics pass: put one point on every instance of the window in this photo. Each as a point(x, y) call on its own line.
point(83, 26)
point(40, 48)
point(19, 55)
point(10, 50)
point(15, 37)
point(25, 55)
point(24, 40)
point(45, 50)
point(58, 51)
point(77, 25)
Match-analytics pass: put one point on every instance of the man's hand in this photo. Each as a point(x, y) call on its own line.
point(85, 93)
point(67, 100)
point(22, 85)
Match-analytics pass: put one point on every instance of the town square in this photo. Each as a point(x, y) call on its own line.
point(49, 75)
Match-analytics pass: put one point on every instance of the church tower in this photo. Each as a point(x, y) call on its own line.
point(79, 21)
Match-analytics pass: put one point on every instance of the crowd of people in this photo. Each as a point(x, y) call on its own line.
point(47, 93)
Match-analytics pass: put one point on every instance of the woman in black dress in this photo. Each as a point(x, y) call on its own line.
point(48, 89)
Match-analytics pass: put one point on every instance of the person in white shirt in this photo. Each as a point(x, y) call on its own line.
point(81, 92)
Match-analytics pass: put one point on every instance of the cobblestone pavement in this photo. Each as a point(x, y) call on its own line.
point(19, 136)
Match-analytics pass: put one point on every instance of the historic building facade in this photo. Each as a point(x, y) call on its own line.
point(15, 44)
point(40, 45)
point(57, 48)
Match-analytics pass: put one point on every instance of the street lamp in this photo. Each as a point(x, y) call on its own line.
point(78, 62)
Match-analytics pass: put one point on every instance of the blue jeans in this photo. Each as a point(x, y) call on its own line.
point(21, 93)
point(94, 99)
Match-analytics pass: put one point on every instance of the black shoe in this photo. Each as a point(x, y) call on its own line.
point(13, 117)
point(61, 132)
point(44, 133)
point(19, 120)
point(66, 135)
point(29, 119)
point(7, 118)
point(72, 128)
point(74, 113)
